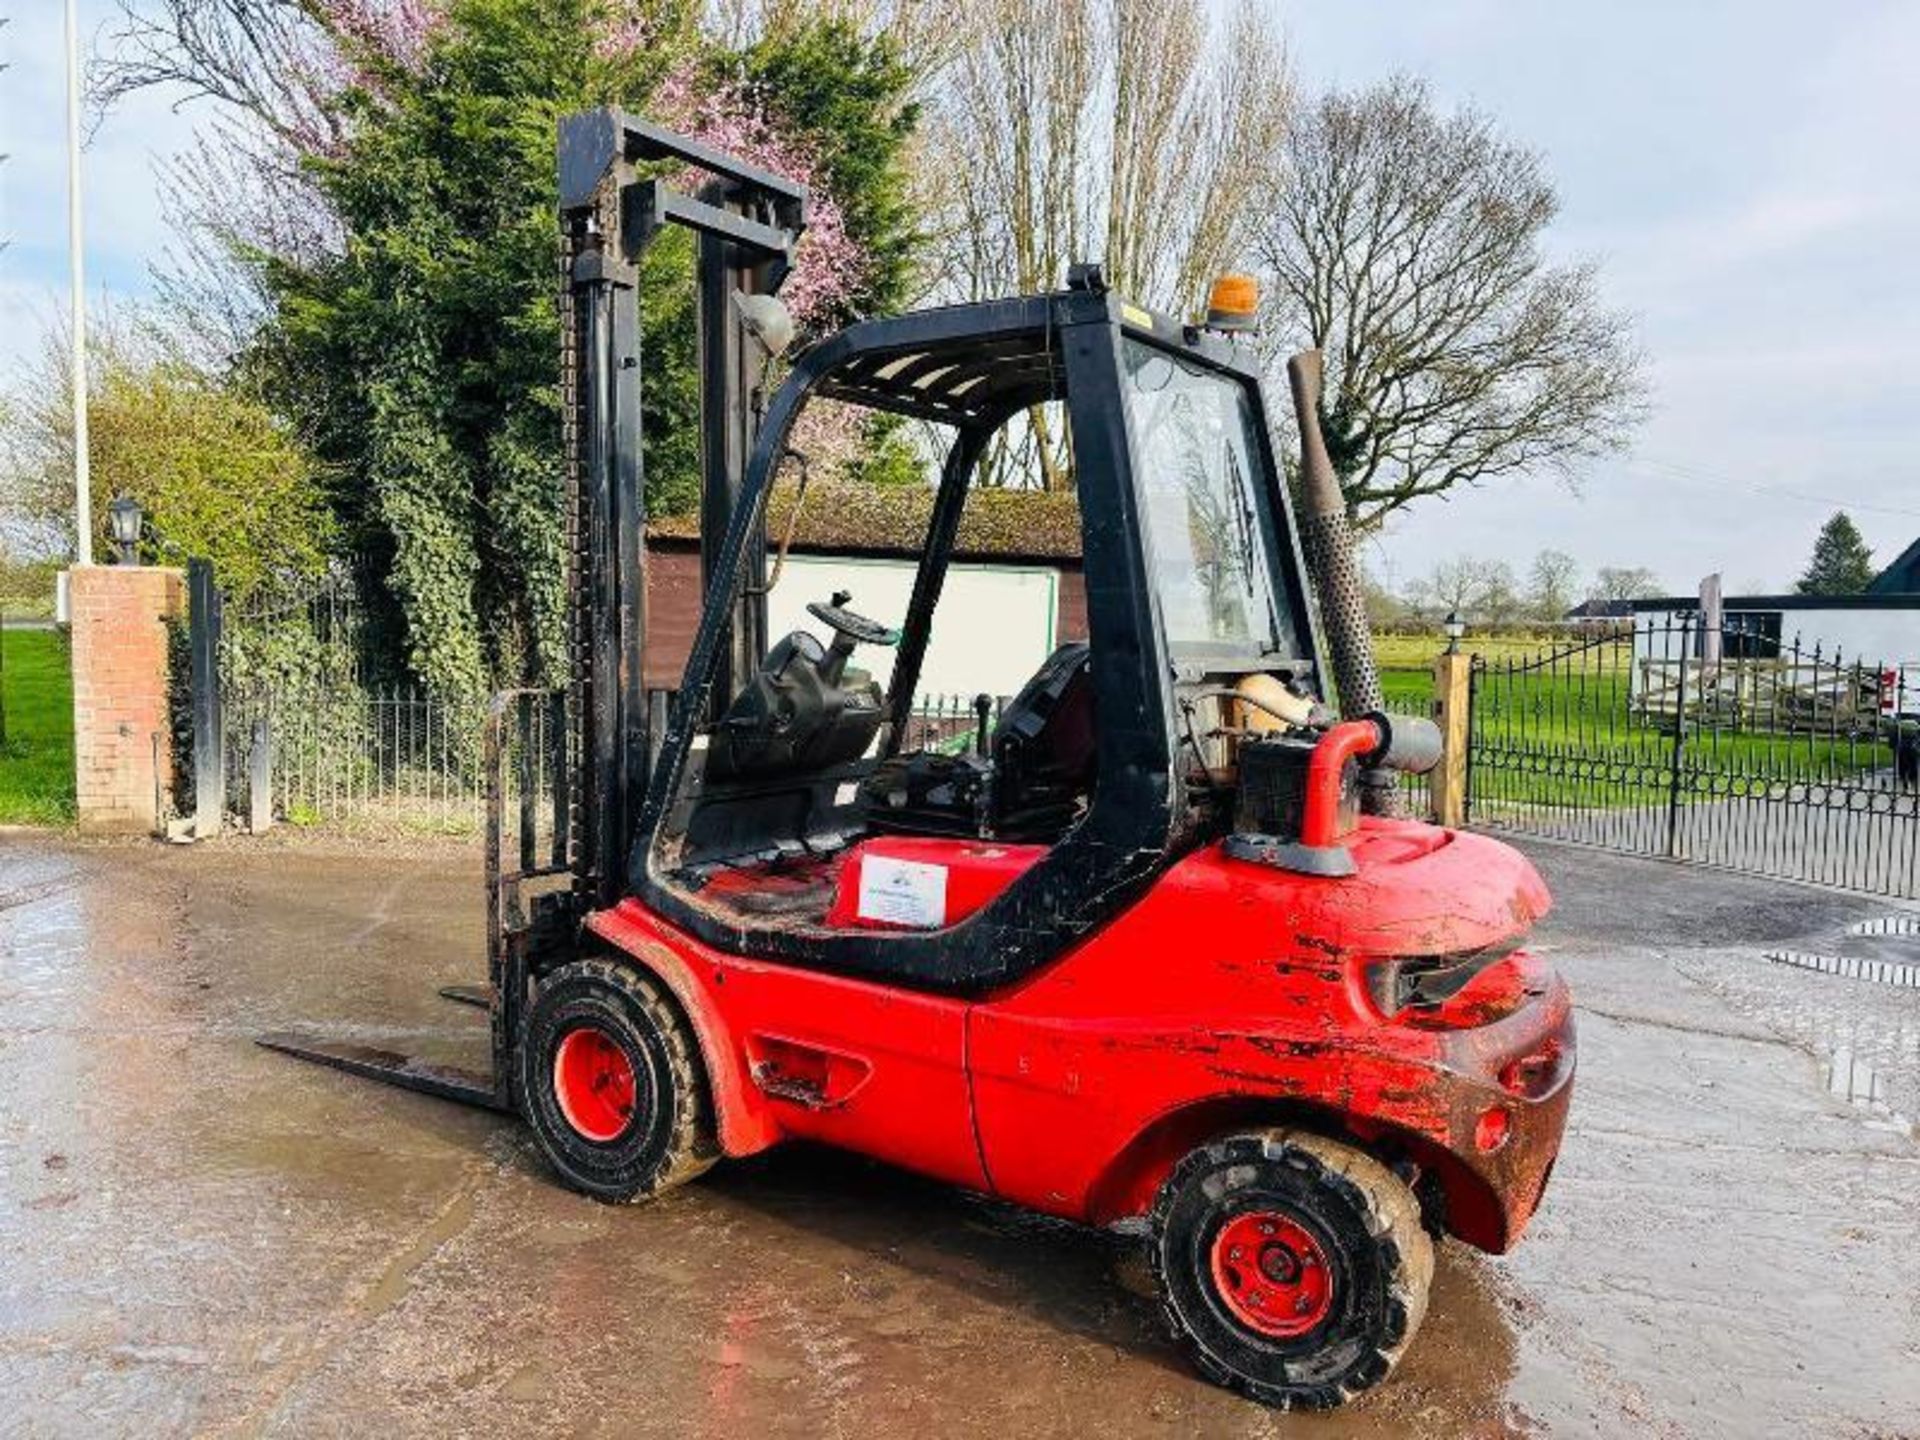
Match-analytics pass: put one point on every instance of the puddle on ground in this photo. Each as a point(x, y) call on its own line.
point(1849, 996)
point(1849, 1076)
point(1884, 949)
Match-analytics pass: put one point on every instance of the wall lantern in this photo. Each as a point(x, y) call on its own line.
point(123, 519)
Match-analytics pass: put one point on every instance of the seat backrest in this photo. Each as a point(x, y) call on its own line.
point(1046, 731)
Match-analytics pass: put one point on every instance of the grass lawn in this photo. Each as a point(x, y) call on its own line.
point(36, 760)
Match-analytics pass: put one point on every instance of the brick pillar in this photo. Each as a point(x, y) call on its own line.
point(120, 691)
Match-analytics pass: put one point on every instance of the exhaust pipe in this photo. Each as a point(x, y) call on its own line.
point(1328, 542)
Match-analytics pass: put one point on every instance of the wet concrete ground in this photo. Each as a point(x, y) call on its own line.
point(198, 1236)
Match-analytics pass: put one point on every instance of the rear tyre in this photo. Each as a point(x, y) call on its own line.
point(1292, 1268)
point(610, 1081)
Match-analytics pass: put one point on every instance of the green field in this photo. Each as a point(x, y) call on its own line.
point(36, 758)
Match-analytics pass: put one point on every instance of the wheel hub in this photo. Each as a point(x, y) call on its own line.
point(593, 1081)
point(1271, 1273)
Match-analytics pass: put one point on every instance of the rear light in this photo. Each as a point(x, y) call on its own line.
point(1889, 687)
point(1491, 1129)
point(1535, 1073)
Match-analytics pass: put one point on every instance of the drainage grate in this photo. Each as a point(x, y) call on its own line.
point(1902, 924)
point(1853, 967)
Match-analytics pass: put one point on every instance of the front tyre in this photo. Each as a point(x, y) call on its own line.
point(610, 1081)
point(1293, 1268)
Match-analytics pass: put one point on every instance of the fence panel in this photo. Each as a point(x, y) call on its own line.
point(299, 667)
point(1416, 791)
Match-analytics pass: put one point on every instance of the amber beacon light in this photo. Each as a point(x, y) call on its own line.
point(1233, 303)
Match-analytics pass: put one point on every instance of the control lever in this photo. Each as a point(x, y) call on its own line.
point(983, 793)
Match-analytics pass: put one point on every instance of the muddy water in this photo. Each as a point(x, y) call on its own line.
point(200, 1236)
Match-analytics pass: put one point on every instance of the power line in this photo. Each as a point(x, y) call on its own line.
point(1756, 487)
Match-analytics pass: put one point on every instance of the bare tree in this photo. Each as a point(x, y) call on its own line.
point(1406, 244)
point(1553, 584)
point(1615, 582)
point(259, 58)
point(923, 30)
point(1479, 590)
point(265, 71)
point(1385, 605)
point(1126, 131)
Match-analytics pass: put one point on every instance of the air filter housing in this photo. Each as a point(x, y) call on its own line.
point(1273, 788)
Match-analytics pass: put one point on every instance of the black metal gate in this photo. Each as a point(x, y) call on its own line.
point(1723, 745)
point(299, 717)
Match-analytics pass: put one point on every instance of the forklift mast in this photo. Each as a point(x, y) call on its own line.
point(746, 223)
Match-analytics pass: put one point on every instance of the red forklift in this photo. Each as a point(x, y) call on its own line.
point(1143, 954)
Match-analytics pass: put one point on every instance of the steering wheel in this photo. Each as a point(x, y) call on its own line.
point(857, 628)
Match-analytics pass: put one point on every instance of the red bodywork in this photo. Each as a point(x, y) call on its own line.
point(1229, 994)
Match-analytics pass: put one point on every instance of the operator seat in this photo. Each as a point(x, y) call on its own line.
point(776, 781)
point(1044, 750)
point(1030, 786)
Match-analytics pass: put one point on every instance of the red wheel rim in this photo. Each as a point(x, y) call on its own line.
point(1272, 1274)
point(593, 1081)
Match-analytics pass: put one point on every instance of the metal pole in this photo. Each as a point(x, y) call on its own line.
point(260, 778)
point(726, 438)
point(209, 743)
point(597, 276)
point(76, 246)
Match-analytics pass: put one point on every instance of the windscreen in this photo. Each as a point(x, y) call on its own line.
point(1207, 500)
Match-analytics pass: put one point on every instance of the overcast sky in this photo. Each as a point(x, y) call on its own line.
point(1745, 170)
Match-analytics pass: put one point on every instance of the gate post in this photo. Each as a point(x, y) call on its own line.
point(260, 778)
point(1677, 755)
point(1452, 712)
point(209, 745)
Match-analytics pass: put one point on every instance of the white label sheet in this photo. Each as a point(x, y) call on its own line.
point(903, 892)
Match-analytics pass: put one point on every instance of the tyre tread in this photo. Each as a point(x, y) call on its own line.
point(1357, 1179)
point(692, 1148)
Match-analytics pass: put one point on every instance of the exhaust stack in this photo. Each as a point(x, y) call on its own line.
point(1336, 578)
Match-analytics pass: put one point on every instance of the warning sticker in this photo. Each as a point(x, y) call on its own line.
point(903, 892)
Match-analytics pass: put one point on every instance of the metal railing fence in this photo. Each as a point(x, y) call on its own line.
point(1720, 746)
